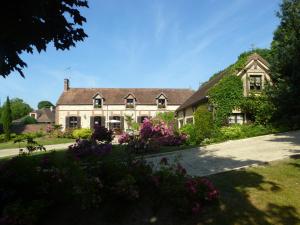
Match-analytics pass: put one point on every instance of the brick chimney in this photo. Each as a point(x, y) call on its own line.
point(66, 84)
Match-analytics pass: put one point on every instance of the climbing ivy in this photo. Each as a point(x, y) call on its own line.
point(225, 96)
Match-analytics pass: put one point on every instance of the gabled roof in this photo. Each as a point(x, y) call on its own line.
point(201, 95)
point(115, 96)
point(158, 96)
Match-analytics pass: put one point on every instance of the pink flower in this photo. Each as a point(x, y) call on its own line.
point(155, 180)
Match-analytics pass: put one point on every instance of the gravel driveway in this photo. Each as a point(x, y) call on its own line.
point(235, 154)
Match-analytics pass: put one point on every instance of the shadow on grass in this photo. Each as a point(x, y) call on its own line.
point(236, 207)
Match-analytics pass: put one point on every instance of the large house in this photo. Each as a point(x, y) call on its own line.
point(254, 75)
point(86, 107)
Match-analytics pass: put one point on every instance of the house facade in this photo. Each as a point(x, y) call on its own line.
point(87, 107)
point(254, 75)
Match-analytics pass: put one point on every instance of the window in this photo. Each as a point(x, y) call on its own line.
point(255, 82)
point(73, 122)
point(130, 103)
point(97, 121)
point(161, 103)
point(116, 125)
point(180, 123)
point(189, 120)
point(236, 118)
point(97, 103)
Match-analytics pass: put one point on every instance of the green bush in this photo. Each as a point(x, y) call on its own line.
point(83, 133)
point(189, 129)
point(204, 124)
point(232, 132)
point(29, 120)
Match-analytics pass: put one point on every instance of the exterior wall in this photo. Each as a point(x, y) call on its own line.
point(87, 111)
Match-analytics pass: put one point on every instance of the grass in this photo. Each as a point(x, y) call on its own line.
point(262, 195)
point(42, 140)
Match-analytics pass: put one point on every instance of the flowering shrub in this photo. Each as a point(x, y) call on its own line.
point(110, 186)
point(98, 145)
point(102, 134)
point(85, 148)
point(152, 135)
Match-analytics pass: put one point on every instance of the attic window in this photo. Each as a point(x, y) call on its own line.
point(98, 103)
point(255, 82)
point(129, 103)
point(161, 103)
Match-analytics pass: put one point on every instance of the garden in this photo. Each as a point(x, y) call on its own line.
point(89, 177)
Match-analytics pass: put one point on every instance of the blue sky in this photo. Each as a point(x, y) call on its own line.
point(148, 43)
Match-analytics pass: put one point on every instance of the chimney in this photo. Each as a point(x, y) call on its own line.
point(66, 84)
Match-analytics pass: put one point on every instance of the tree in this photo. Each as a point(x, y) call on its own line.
point(29, 25)
point(285, 64)
point(19, 108)
point(6, 119)
point(44, 104)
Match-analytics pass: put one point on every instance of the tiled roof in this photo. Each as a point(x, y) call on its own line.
point(115, 96)
point(45, 115)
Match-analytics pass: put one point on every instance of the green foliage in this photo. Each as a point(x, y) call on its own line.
point(135, 126)
point(129, 120)
point(204, 124)
point(225, 96)
point(43, 22)
point(44, 104)
point(167, 117)
point(19, 108)
point(285, 64)
point(238, 131)
point(190, 130)
point(6, 119)
point(259, 108)
point(29, 120)
point(82, 133)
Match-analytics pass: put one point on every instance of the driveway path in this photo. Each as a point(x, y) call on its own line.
point(235, 154)
point(15, 151)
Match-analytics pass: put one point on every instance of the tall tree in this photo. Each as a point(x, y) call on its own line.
point(32, 24)
point(6, 119)
point(19, 108)
point(44, 104)
point(286, 63)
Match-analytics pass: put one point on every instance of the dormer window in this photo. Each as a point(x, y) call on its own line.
point(161, 100)
point(98, 103)
point(161, 103)
point(255, 82)
point(98, 100)
point(129, 103)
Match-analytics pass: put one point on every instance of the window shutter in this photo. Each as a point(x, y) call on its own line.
point(139, 119)
point(78, 122)
point(92, 122)
point(67, 122)
point(122, 122)
point(103, 121)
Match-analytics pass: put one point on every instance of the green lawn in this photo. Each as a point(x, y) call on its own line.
point(262, 195)
point(41, 140)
